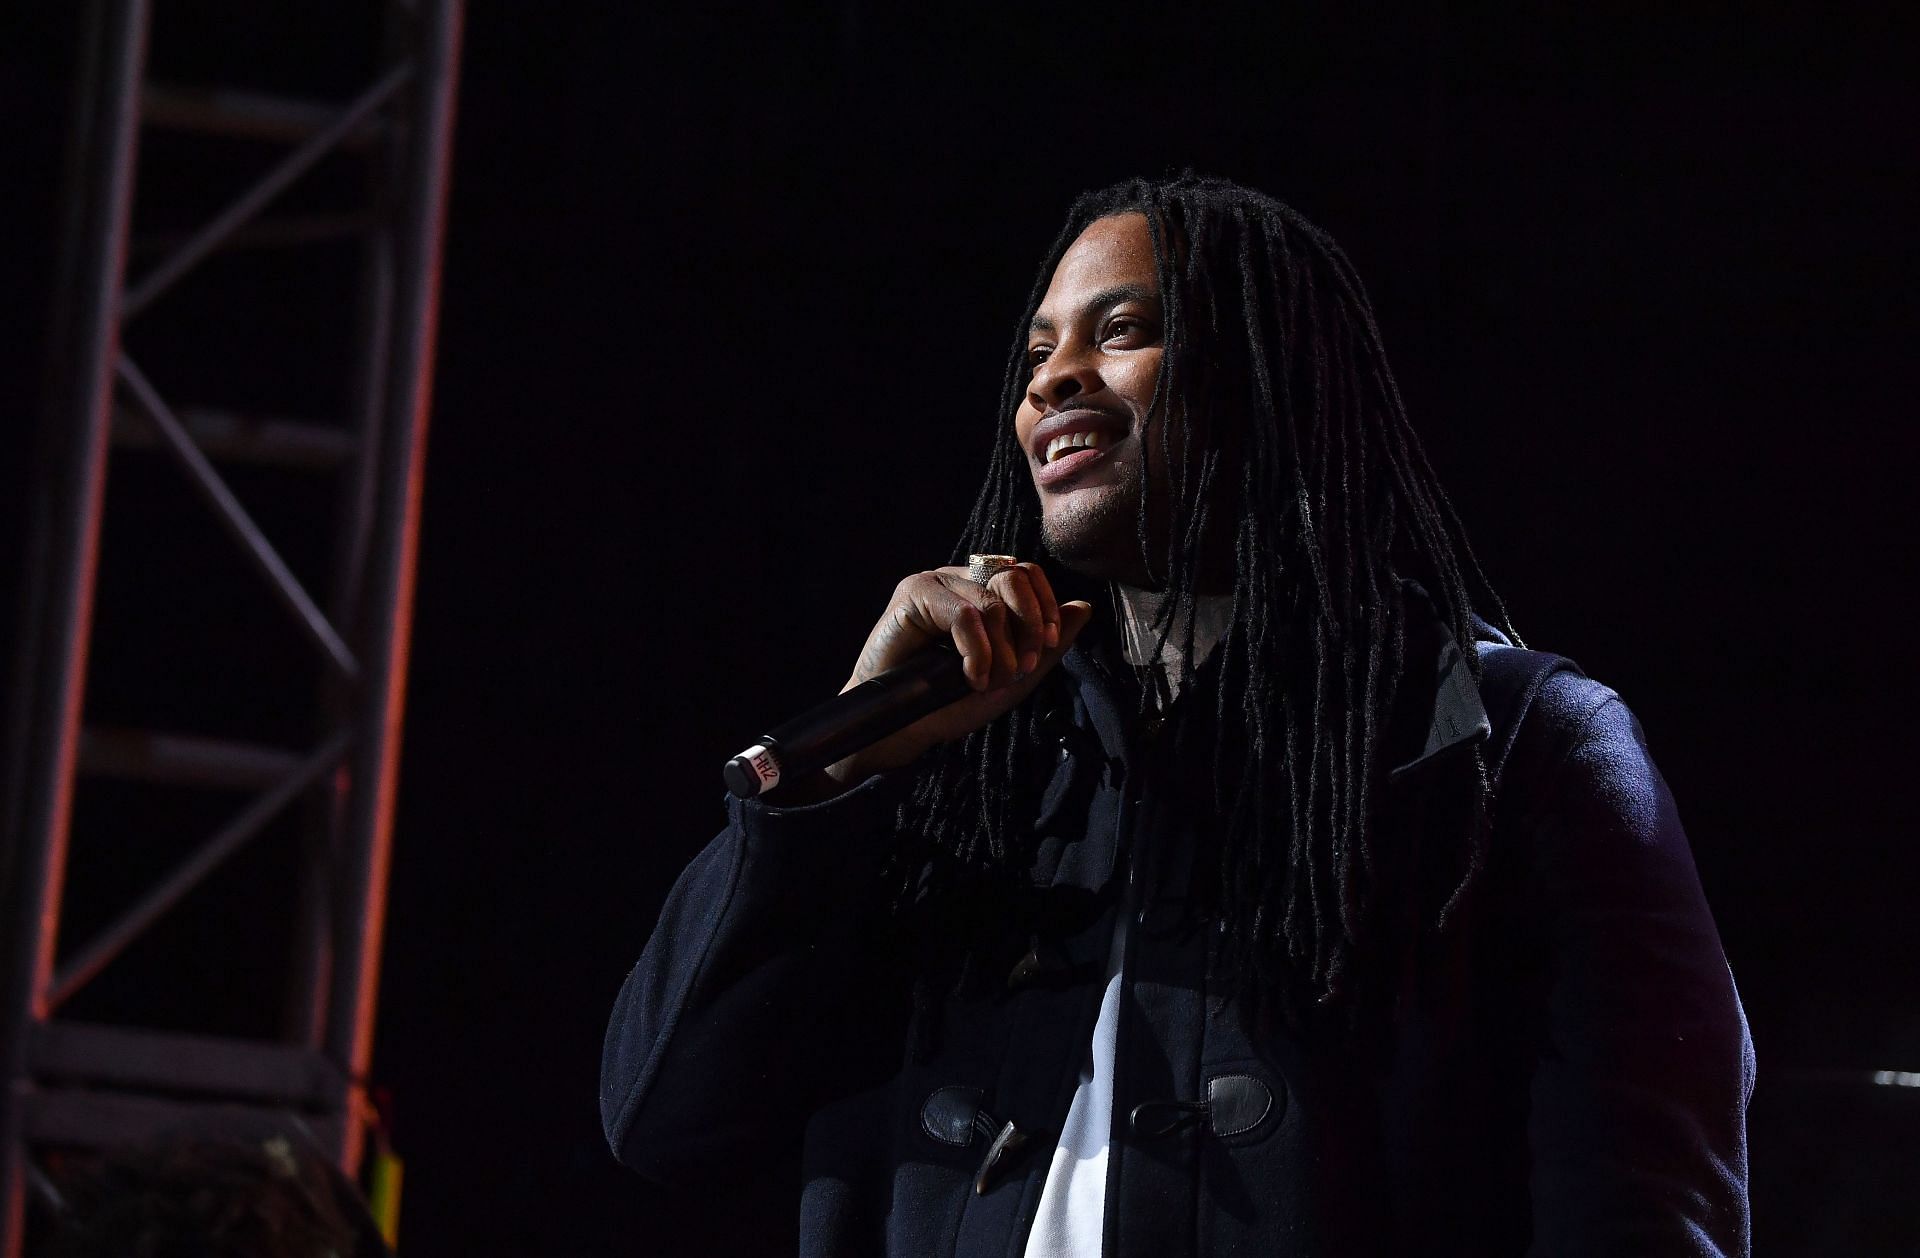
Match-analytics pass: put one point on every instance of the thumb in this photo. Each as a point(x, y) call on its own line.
point(1074, 616)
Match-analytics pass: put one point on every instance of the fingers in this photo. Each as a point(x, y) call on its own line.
point(1016, 616)
point(933, 609)
point(1003, 630)
point(1073, 618)
point(1049, 605)
point(973, 637)
point(1015, 588)
point(1000, 629)
point(921, 601)
point(1034, 611)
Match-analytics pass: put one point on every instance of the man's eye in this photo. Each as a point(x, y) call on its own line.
point(1037, 355)
point(1121, 327)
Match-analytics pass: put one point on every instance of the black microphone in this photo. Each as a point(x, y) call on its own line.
point(849, 722)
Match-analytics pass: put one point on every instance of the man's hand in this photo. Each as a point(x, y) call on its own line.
point(1009, 632)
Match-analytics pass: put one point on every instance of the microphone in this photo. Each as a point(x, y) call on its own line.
point(849, 722)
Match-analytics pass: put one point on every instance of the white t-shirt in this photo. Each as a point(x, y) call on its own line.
point(1072, 1215)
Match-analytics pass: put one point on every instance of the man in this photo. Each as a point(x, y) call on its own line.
point(1286, 908)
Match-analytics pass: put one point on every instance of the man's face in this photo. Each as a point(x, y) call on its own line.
point(1095, 347)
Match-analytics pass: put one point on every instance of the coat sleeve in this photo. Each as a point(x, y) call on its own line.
point(1639, 1095)
point(761, 991)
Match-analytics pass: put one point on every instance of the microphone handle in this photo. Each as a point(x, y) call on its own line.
point(849, 722)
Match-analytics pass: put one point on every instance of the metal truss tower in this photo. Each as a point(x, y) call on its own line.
point(99, 1084)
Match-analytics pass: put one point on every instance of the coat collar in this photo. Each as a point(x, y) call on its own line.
point(1440, 691)
point(1456, 716)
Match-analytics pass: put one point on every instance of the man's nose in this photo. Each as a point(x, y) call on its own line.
point(1067, 373)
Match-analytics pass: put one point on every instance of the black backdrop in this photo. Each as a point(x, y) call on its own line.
point(726, 300)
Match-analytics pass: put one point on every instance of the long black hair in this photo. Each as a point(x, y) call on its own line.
point(1293, 453)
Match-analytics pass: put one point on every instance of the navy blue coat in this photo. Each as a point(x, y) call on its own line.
point(1565, 1070)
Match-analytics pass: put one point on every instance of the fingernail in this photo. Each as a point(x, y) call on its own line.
point(1028, 662)
point(1053, 636)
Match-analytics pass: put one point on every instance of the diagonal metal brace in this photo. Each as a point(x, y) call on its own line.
point(109, 943)
point(258, 197)
point(238, 522)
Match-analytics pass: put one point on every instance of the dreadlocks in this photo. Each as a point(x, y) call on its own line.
point(1285, 440)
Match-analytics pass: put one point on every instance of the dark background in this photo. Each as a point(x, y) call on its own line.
point(726, 300)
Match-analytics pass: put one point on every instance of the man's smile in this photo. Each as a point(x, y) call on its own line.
point(1066, 443)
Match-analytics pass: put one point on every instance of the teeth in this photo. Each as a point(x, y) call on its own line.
point(1066, 443)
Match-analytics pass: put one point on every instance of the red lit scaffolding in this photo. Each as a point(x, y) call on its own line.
point(97, 1083)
